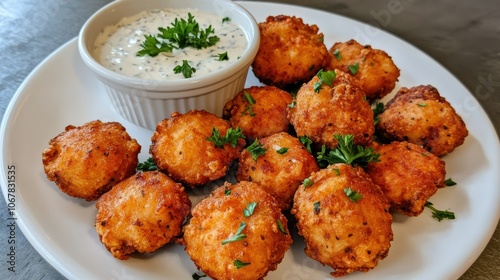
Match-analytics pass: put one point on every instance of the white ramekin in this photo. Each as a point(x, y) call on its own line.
point(146, 102)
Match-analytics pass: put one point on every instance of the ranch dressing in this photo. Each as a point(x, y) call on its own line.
point(116, 46)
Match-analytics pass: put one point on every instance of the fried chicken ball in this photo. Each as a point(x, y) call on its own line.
point(237, 232)
point(337, 109)
point(344, 219)
point(280, 171)
point(181, 149)
point(372, 69)
point(141, 213)
point(408, 175)
point(290, 52)
point(420, 115)
point(259, 111)
point(86, 161)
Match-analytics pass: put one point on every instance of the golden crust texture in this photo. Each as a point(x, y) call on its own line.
point(86, 161)
point(290, 52)
point(408, 175)
point(340, 109)
point(181, 149)
point(279, 173)
point(376, 72)
point(219, 216)
point(346, 235)
point(141, 213)
point(259, 111)
point(421, 116)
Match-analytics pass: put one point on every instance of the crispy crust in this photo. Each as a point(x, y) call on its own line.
point(141, 213)
point(377, 74)
point(340, 109)
point(279, 174)
point(408, 175)
point(181, 149)
point(86, 161)
point(420, 115)
point(348, 236)
point(265, 117)
point(218, 217)
point(290, 52)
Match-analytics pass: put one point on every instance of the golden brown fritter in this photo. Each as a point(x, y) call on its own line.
point(339, 232)
point(211, 236)
point(141, 213)
point(290, 52)
point(340, 109)
point(372, 69)
point(420, 115)
point(408, 175)
point(180, 148)
point(281, 169)
point(86, 161)
point(259, 111)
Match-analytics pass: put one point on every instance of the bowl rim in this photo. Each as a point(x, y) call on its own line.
point(104, 74)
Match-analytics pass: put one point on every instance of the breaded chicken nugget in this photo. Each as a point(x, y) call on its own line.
point(372, 69)
point(420, 115)
point(344, 219)
point(259, 111)
point(180, 147)
point(408, 175)
point(86, 161)
point(337, 109)
point(237, 232)
point(283, 167)
point(141, 213)
point(290, 52)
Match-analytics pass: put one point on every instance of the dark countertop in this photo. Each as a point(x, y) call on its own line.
point(464, 36)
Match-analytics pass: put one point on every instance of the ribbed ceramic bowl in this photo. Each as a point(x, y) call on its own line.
point(146, 102)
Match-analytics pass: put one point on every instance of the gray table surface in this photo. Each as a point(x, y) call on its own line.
point(464, 36)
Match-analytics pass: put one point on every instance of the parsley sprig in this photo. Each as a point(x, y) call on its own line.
point(347, 152)
point(231, 137)
point(181, 34)
point(256, 149)
point(147, 165)
point(237, 236)
point(325, 78)
point(439, 214)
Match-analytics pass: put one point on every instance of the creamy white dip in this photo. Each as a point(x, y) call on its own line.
point(116, 46)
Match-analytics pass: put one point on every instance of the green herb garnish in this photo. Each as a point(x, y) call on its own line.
point(226, 19)
point(147, 165)
point(197, 277)
point(237, 236)
point(449, 182)
point(256, 149)
point(186, 69)
point(239, 264)
point(249, 109)
point(231, 137)
point(378, 109)
point(337, 55)
point(307, 142)
point(439, 214)
point(282, 150)
point(179, 35)
point(281, 227)
point(307, 182)
point(347, 152)
point(422, 104)
point(223, 56)
point(317, 208)
point(354, 68)
point(248, 211)
point(325, 78)
point(352, 195)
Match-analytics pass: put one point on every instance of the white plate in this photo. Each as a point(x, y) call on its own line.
point(60, 91)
